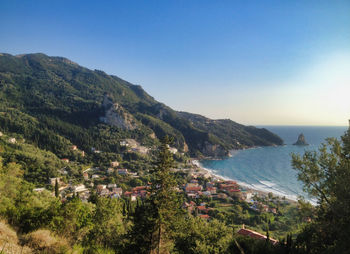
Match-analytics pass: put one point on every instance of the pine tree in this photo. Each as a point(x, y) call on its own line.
point(156, 217)
point(56, 189)
point(163, 198)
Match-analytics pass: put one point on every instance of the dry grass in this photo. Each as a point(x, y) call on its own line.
point(9, 243)
point(43, 241)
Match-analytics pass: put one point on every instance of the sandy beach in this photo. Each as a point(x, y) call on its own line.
point(247, 187)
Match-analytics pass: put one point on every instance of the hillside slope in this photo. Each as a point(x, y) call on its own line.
point(54, 102)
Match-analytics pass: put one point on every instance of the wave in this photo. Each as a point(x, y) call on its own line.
point(265, 186)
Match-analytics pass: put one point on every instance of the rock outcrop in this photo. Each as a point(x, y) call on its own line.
point(213, 150)
point(116, 115)
point(301, 141)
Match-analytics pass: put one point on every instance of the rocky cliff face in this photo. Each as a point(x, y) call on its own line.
point(116, 115)
point(301, 141)
point(214, 150)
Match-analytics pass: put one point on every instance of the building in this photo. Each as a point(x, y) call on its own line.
point(12, 140)
point(52, 181)
point(222, 196)
point(204, 216)
point(110, 171)
point(234, 193)
point(246, 195)
point(255, 235)
point(1, 134)
point(212, 190)
point(74, 147)
point(114, 164)
point(65, 160)
point(86, 176)
point(118, 191)
point(193, 189)
point(101, 187)
point(173, 150)
point(111, 185)
point(123, 143)
point(79, 188)
point(122, 171)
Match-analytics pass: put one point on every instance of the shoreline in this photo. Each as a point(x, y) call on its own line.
point(246, 186)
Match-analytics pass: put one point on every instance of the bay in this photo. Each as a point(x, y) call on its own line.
point(269, 168)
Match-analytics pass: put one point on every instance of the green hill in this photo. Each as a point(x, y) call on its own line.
point(54, 103)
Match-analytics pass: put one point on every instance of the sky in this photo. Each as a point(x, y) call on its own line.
point(255, 62)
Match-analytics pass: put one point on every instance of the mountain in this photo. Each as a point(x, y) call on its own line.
point(55, 103)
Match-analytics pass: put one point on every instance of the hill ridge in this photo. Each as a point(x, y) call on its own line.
point(63, 95)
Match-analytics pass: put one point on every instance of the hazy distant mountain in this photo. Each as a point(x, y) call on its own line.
point(55, 102)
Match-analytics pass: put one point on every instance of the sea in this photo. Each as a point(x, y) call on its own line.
point(269, 168)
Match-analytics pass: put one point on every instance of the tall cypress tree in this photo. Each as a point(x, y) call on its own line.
point(56, 189)
point(164, 198)
point(155, 219)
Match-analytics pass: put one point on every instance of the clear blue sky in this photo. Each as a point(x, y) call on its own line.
point(255, 62)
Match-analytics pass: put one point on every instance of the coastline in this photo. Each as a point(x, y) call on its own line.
point(246, 186)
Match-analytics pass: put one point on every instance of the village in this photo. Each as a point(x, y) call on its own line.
point(203, 192)
point(201, 185)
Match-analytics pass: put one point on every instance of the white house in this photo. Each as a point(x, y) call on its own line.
point(173, 150)
point(122, 171)
point(111, 185)
point(79, 188)
point(12, 140)
point(114, 164)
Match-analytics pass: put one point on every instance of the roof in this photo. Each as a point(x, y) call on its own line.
point(139, 188)
point(255, 235)
point(198, 188)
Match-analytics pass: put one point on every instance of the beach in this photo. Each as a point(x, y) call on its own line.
point(247, 187)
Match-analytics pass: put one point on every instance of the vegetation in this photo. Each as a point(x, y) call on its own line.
point(55, 103)
point(51, 105)
point(326, 177)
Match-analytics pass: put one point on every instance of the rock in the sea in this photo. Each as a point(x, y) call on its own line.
point(301, 141)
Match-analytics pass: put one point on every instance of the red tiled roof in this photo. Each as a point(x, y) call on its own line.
point(228, 186)
point(253, 234)
point(138, 188)
point(204, 216)
point(198, 188)
point(127, 193)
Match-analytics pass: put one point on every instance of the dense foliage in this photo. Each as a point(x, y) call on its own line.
point(156, 224)
point(326, 177)
point(53, 102)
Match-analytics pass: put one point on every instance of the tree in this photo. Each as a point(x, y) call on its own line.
point(164, 197)
point(155, 220)
point(326, 177)
point(56, 189)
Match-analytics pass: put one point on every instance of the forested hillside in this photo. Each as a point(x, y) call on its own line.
point(54, 102)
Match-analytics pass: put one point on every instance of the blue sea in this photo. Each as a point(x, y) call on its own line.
point(269, 168)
